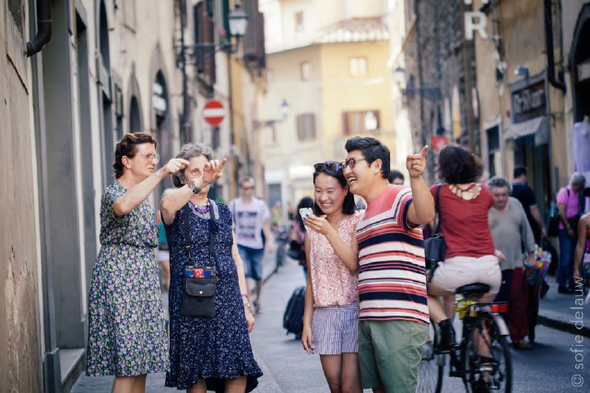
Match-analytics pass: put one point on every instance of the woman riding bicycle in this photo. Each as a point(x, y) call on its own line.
point(470, 256)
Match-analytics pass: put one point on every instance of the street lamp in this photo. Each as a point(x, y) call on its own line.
point(285, 109)
point(429, 92)
point(199, 52)
point(238, 21)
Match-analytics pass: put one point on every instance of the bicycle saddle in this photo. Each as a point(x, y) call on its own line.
point(475, 290)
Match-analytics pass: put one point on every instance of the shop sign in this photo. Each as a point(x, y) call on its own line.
point(529, 102)
point(475, 21)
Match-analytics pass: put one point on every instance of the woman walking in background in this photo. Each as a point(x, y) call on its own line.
point(331, 298)
point(126, 329)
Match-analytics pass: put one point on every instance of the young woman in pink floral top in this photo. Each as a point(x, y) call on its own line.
point(331, 298)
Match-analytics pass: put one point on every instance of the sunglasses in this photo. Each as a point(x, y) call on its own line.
point(329, 165)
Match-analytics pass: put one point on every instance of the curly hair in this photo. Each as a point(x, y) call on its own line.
point(127, 147)
point(456, 165)
point(187, 152)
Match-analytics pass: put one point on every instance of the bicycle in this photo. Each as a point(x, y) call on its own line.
point(282, 239)
point(479, 373)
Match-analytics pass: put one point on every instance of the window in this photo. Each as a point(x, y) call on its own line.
point(357, 66)
point(494, 155)
point(306, 127)
point(299, 21)
point(305, 71)
point(360, 122)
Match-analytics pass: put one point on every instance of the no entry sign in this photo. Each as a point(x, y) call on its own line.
point(213, 112)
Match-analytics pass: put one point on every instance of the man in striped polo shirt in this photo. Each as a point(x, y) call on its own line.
point(392, 281)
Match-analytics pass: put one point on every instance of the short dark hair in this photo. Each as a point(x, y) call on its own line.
point(456, 165)
point(349, 205)
point(372, 150)
point(519, 171)
point(246, 179)
point(395, 174)
point(127, 147)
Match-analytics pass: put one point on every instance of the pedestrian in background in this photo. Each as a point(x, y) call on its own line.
point(298, 235)
point(568, 204)
point(511, 231)
point(126, 328)
point(331, 297)
point(251, 219)
point(470, 256)
point(206, 353)
point(526, 196)
point(393, 318)
point(396, 177)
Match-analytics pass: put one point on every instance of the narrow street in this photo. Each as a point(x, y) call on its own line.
point(549, 367)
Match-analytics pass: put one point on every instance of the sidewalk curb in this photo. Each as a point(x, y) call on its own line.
point(564, 326)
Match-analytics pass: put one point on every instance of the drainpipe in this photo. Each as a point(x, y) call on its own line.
point(549, 42)
point(43, 28)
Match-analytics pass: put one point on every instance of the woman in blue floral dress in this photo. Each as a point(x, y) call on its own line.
point(207, 353)
point(126, 329)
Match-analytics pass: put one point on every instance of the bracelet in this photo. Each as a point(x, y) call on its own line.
point(244, 295)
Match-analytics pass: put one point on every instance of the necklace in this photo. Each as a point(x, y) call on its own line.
point(203, 209)
point(471, 192)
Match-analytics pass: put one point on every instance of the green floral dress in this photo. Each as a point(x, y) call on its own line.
point(126, 327)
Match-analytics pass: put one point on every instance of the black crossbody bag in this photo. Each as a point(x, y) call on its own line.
point(435, 247)
point(200, 283)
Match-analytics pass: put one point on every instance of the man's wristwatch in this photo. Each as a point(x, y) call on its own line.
point(191, 184)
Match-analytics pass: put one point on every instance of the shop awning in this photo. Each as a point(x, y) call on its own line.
point(539, 127)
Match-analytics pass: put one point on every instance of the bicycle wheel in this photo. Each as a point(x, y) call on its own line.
point(486, 358)
point(430, 373)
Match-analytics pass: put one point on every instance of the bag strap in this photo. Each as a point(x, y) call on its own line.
point(437, 209)
point(213, 228)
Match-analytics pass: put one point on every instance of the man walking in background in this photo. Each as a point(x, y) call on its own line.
point(511, 230)
point(251, 219)
point(526, 196)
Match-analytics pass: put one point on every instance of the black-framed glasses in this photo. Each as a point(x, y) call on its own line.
point(351, 162)
point(329, 165)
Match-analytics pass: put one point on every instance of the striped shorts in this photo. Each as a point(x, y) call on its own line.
point(335, 329)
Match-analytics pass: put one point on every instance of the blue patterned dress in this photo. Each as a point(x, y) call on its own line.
point(216, 348)
point(126, 327)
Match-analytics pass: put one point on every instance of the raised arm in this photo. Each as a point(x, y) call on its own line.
point(179, 197)
point(142, 190)
point(421, 210)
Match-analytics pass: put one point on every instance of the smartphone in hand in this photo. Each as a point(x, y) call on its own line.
point(305, 212)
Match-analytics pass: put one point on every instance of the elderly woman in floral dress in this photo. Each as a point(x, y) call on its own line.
point(126, 332)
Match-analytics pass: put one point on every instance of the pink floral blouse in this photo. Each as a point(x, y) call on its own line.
point(333, 284)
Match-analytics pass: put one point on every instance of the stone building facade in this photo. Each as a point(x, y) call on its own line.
point(110, 67)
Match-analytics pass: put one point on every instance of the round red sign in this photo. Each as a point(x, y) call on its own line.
point(213, 112)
